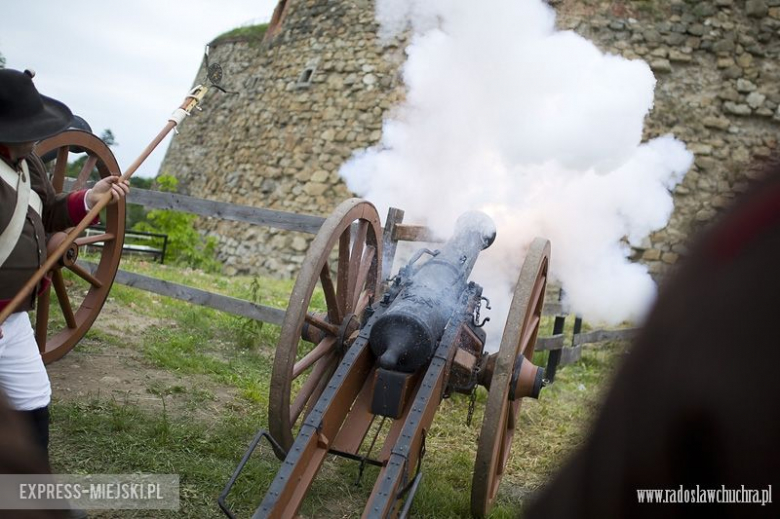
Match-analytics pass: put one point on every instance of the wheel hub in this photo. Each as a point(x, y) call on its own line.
point(71, 254)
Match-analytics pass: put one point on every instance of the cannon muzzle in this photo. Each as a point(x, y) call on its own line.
point(405, 337)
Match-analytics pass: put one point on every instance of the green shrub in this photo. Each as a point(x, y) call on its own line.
point(186, 247)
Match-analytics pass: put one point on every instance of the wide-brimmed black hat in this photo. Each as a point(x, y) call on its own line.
point(26, 115)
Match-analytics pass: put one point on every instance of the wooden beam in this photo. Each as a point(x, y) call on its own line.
point(196, 296)
point(211, 208)
point(549, 343)
point(604, 335)
point(404, 232)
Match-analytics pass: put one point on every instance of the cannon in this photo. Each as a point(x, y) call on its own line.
point(392, 350)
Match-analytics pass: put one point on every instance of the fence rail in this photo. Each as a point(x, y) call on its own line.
point(196, 296)
point(395, 231)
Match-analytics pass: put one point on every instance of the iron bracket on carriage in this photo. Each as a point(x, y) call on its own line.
point(389, 350)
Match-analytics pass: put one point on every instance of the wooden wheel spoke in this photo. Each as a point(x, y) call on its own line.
point(528, 333)
point(89, 165)
point(61, 164)
point(335, 312)
point(342, 273)
point(537, 300)
point(95, 238)
point(362, 276)
point(323, 348)
point(42, 319)
point(322, 325)
point(306, 392)
point(356, 262)
point(62, 298)
point(85, 275)
point(362, 303)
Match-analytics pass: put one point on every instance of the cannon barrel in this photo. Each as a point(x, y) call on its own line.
point(406, 335)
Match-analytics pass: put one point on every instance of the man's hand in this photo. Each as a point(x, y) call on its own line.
point(110, 183)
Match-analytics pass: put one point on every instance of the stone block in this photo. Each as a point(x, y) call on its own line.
point(700, 149)
point(745, 86)
point(679, 57)
point(320, 176)
point(670, 258)
point(299, 244)
point(736, 108)
point(719, 123)
point(674, 39)
point(651, 255)
point(726, 62)
point(697, 29)
point(652, 36)
point(745, 60)
point(756, 8)
point(661, 66)
point(315, 188)
point(706, 163)
point(724, 46)
point(755, 100)
point(705, 215)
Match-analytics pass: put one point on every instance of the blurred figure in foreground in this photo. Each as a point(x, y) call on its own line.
point(694, 412)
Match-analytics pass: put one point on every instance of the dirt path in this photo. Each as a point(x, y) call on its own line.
point(96, 369)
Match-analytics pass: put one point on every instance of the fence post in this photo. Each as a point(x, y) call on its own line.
point(164, 248)
point(394, 217)
point(555, 355)
point(577, 329)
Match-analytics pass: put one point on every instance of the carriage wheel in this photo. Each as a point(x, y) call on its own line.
point(501, 410)
point(350, 241)
point(79, 297)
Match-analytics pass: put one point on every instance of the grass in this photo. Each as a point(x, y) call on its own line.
point(246, 32)
point(105, 434)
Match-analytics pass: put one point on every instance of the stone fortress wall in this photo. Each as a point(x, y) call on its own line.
point(318, 86)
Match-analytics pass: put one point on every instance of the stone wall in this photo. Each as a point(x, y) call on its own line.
point(280, 140)
point(716, 63)
point(306, 99)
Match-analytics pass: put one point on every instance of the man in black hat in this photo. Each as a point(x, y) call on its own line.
point(29, 208)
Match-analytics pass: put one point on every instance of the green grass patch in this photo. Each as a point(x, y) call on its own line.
point(246, 32)
point(109, 435)
point(101, 436)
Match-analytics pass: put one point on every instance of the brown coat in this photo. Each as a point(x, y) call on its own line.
point(30, 251)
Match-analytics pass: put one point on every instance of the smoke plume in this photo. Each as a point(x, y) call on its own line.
point(537, 128)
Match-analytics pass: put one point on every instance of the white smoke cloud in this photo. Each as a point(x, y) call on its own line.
point(539, 129)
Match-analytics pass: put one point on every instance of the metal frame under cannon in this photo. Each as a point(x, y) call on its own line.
point(383, 355)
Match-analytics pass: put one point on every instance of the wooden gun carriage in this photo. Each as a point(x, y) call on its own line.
point(330, 388)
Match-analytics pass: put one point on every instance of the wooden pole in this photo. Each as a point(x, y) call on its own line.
point(186, 108)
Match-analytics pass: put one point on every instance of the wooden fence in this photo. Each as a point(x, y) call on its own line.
point(394, 231)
